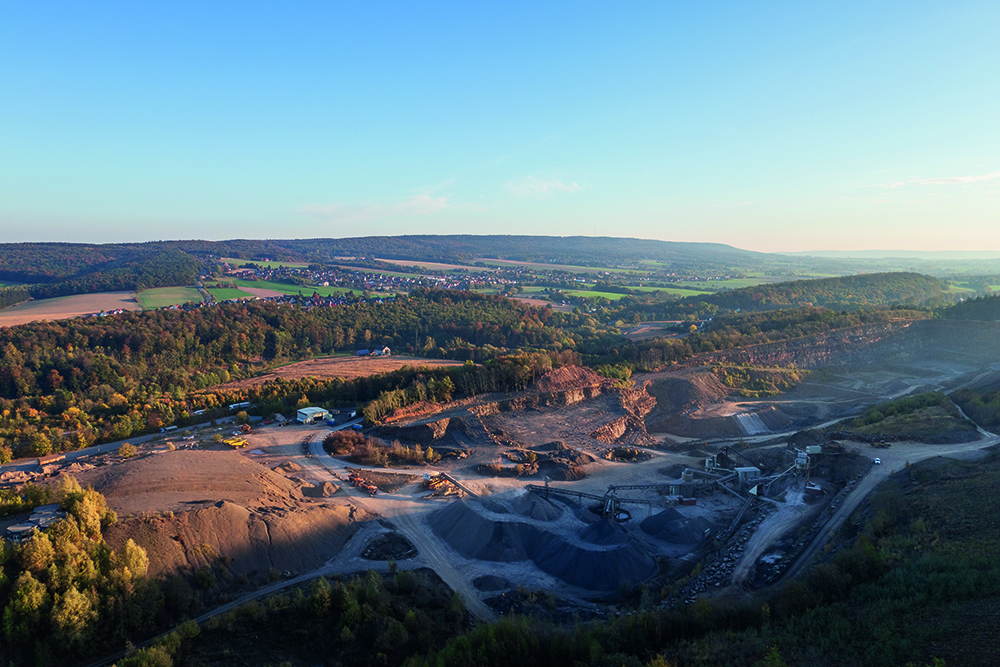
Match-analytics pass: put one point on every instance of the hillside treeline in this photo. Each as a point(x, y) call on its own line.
point(984, 308)
point(580, 250)
point(981, 406)
point(741, 329)
point(104, 379)
point(110, 378)
point(63, 269)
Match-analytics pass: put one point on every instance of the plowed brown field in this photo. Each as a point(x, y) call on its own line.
point(65, 307)
point(347, 368)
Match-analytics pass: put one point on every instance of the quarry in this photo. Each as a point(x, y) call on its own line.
point(573, 499)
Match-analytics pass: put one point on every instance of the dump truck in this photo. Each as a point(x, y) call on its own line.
point(236, 443)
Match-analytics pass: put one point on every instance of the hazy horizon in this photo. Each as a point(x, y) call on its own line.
point(784, 128)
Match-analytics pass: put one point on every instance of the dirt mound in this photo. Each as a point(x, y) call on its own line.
point(248, 542)
point(424, 433)
point(470, 533)
point(690, 390)
point(554, 446)
point(558, 471)
point(568, 377)
point(174, 481)
point(324, 490)
point(288, 467)
point(672, 526)
point(389, 546)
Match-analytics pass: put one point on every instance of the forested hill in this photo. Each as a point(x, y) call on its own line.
point(60, 269)
point(985, 308)
point(585, 250)
point(874, 289)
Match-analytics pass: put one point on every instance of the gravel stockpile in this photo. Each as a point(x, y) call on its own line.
point(613, 559)
point(604, 532)
point(535, 507)
point(672, 526)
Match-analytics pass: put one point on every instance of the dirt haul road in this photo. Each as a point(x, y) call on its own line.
point(770, 531)
point(893, 460)
point(408, 519)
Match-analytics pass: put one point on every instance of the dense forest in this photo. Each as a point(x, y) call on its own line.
point(981, 405)
point(984, 308)
point(65, 593)
point(848, 292)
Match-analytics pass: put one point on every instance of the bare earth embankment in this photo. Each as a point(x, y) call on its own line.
point(190, 508)
point(66, 307)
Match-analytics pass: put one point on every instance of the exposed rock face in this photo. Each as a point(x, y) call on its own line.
point(423, 433)
point(569, 377)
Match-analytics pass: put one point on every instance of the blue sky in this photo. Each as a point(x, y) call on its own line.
point(766, 126)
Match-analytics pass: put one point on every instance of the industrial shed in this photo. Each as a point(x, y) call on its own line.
point(311, 415)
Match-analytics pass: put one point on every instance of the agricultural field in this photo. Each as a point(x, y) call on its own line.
point(285, 288)
point(226, 293)
point(266, 265)
point(347, 367)
point(362, 269)
point(8, 283)
point(162, 297)
point(732, 283)
point(66, 307)
point(556, 267)
point(429, 266)
point(679, 291)
point(610, 296)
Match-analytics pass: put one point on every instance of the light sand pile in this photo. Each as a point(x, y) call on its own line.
point(672, 526)
point(184, 479)
point(249, 542)
point(602, 567)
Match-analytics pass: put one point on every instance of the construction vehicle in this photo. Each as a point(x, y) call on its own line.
point(236, 443)
point(881, 445)
point(362, 483)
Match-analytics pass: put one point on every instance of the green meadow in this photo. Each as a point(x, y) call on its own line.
point(161, 297)
point(226, 293)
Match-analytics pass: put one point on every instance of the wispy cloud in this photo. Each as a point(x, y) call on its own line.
point(342, 212)
point(946, 180)
point(532, 187)
point(958, 180)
